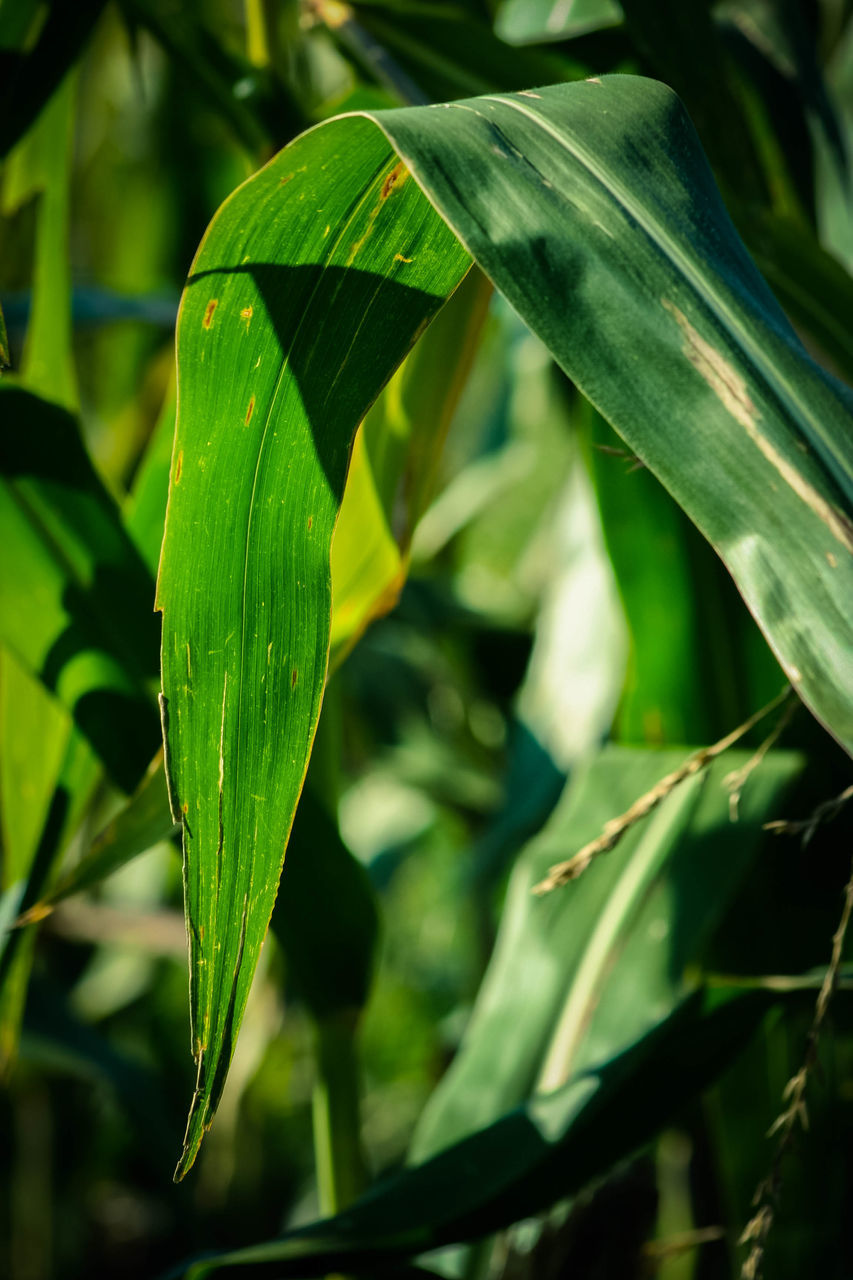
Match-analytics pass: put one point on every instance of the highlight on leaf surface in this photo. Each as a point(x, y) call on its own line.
point(591, 207)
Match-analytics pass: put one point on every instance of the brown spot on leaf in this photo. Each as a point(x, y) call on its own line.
point(282, 182)
point(294, 677)
point(208, 315)
point(246, 314)
point(310, 521)
point(250, 410)
point(179, 466)
point(186, 808)
point(396, 178)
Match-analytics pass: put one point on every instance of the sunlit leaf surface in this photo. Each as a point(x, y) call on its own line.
point(311, 285)
point(591, 206)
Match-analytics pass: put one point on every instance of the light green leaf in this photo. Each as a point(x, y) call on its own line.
point(591, 206)
point(143, 822)
point(532, 21)
point(576, 975)
point(75, 596)
point(41, 166)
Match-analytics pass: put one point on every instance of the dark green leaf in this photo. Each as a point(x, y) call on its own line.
point(29, 79)
point(525, 1161)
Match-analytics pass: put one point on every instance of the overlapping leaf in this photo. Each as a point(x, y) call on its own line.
point(592, 208)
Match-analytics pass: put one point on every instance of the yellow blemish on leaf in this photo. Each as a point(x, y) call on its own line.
point(731, 389)
point(179, 466)
point(398, 257)
point(208, 314)
point(246, 314)
point(394, 179)
point(527, 93)
point(832, 560)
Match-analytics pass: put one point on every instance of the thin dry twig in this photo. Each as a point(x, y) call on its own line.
point(614, 830)
point(766, 1195)
point(737, 779)
point(808, 826)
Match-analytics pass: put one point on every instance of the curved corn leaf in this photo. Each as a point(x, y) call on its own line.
point(591, 206)
point(525, 1161)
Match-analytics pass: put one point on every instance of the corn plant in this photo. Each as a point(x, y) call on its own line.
point(481, 278)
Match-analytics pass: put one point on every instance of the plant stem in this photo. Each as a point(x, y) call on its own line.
point(341, 1173)
point(260, 32)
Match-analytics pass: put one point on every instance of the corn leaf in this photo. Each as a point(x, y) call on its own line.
point(591, 206)
point(310, 325)
point(75, 596)
point(525, 1161)
point(577, 975)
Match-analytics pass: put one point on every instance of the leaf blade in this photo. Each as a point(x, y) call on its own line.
point(267, 593)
